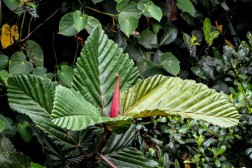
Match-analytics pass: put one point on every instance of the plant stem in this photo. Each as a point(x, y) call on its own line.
point(104, 13)
point(107, 161)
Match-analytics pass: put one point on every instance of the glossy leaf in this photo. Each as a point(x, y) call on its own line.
point(128, 16)
point(80, 20)
point(149, 9)
point(66, 25)
point(169, 35)
point(25, 131)
point(170, 63)
point(160, 95)
point(148, 39)
point(186, 6)
point(35, 53)
point(207, 28)
point(92, 23)
point(4, 75)
point(4, 60)
point(19, 65)
point(127, 23)
point(13, 5)
point(95, 73)
point(65, 74)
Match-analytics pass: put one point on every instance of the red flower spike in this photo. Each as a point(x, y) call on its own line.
point(116, 99)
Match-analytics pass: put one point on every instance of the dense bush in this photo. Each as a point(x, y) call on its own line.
point(208, 41)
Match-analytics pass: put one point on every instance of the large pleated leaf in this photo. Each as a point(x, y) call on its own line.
point(160, 95)
point(120, 141)
point(33, 96)
point(128, 157)
point(72, 111)
point(95, 73)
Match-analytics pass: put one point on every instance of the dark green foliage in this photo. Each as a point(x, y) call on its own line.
point(208, 41)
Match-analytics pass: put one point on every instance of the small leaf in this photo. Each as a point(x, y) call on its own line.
point(97, 1)
point(13, 5)
point(127, 23)
point(150, 9)
point(207, 29)
point(186, 6)
point(148, 39)
point(169, 35)
point(9, 35)
point(19, 65)
point(92, 23)
point(4, 60)
point(25, 131)
point(2, 126)
point(80, 20)
point(4, 75)
point(199, 72)
point(35, 53)
point(65, 75)
point(36, 165)
point(66, 25)
point(170, 63)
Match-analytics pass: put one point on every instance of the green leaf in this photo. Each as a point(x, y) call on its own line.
point(95, 73)
point(128, 16)
point(199, 72)
point(129, 8)
point(4, 75)
point(72, 111)
point(128, 157)
point(35, 53)
point(169, 35)
point(207, 29)
point(169, 96)
point(149, 9)
point(36, 165)
point(19, 65)
point(4, 60)
point(186, 6)
point(66, 25)
point(170, 63)
point(39, 71)
point(120, 141)
point(148, 39)
point(25, 131)
point(213, 35)
point(65, 75)
point(127, 23)
point(14, 159)
point(33, 96)
point(92, 23)
point(80, 20)
point(6, 145)
point(97, 1)
point(2, 125)
point(14, 5)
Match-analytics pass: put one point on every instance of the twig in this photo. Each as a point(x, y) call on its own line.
point(107, 161)
point(41, 24)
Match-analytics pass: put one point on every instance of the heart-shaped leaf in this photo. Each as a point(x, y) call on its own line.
point(19, 65)
point(35, 53)
point(66, 25)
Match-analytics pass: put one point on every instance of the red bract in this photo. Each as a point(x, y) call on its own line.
point(116, 99)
